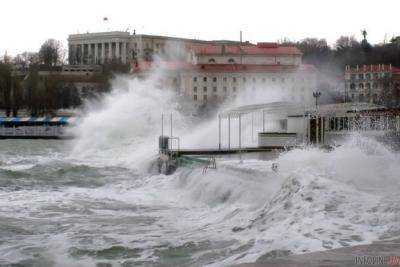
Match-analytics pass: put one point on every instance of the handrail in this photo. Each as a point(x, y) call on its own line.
point(31, 131)
point(171, 143)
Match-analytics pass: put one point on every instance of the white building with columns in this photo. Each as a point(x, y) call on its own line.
point(102, 47)
point(98, 48)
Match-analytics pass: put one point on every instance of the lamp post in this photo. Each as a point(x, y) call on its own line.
point(316, 95)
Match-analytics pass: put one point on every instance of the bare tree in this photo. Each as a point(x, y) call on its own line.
point(346, 42)
point(51, 53)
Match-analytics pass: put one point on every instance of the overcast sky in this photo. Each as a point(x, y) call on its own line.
point(25, 24)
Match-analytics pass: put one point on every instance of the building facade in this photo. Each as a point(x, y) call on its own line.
point(379, 84)
point(102, 47)
point(220, 72)
point(98, 48)
point(203, 71)
point(210, 83)
point(261, 54)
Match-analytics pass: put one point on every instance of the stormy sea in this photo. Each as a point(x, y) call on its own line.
point(98, 200)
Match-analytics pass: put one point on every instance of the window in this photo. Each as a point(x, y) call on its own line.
point(211, 60)
point(244, 79)
point(283, 80)
point(361, 98)
point(225, 89)
point(352, 86)
point(224, 79)
point(234, 79)
point(204, 79)
point(375, 85)
point(254, 80)
point(368, 76)
point(376, 75)
point(205, 89)
point(263, 80)
point(231, 60)
point(205, 97)
point(234, 89)
point(360, 86)
point(195, 89)
point(353, 76)
point(175, 80)
point(273, 79)
point(214, 89)
point(195, 97)
point(195, 79)
point(360, 76)
point(215, 79)
point(368, 86)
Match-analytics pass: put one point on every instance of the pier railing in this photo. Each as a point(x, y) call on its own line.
point(31, 131)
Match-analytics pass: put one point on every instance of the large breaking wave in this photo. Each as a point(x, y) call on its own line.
point(97, 202)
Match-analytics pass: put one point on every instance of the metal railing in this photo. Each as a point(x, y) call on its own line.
point(35, 131)
point(174, 140)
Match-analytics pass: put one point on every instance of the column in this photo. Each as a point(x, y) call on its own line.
point(219, 132)
point(96, 53)
point(89, 61)
point(110, 50)
point(124, 52)
point(103, 52)
point(82, 53)
point(117, 54)
point(71, 54)
point(75, 54)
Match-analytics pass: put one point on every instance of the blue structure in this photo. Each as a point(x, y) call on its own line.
point(34, 127)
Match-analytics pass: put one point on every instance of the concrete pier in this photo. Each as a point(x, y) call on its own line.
point(217, 151)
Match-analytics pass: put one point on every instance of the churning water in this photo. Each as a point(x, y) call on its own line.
point(95, 200)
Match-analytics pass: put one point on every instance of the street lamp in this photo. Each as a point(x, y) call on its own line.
point(316, 95)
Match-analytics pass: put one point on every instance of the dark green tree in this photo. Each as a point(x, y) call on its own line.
point(6, 81)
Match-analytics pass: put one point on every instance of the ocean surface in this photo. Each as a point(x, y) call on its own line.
point(98, 200)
